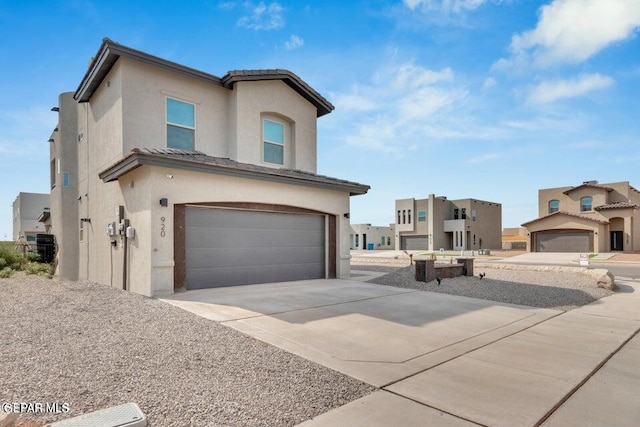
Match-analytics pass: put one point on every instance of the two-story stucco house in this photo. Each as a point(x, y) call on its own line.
point(438, 223)
point(167, 178)
point(587, 218)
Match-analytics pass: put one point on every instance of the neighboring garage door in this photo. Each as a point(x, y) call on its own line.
point(226, 247)
point(413, 242)
point(567, 241)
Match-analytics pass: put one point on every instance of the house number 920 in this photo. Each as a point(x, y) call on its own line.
point(162, 225)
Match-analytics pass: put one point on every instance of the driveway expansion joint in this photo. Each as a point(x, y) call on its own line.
point(585, 380)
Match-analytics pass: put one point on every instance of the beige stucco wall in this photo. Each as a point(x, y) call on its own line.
point(27, 207)
point(374, 235)
point(151, 255)
point(254, 101)
point(144, 92)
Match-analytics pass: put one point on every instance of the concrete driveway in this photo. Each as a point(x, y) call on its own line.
point(441, 359)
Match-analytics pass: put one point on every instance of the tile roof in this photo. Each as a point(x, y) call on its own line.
point(110, 51)
point(295, 82)
point(617, 205)
point(603, 187)
point(567, 214)
point(200, 162)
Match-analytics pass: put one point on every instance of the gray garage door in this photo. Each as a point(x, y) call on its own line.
point(414, 243)
point(575, 241)
point(237, 247)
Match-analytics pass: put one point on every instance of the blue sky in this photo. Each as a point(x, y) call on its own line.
point(490, 99)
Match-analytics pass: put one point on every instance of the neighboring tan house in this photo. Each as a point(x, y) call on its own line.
point(591, 217)
point(27, 209)
point(437, 223)
point(168, 178)
point(367, 236)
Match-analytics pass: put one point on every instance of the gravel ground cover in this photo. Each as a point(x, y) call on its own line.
point(555, 290)
point(94, 346)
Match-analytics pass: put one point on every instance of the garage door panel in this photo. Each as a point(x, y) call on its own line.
point(414, 242)
point(238, 257)
point(247, 275)
point(235, 247)
point(200, 237)
point(578, 241)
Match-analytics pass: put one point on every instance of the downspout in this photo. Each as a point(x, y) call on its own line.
point(124, 262)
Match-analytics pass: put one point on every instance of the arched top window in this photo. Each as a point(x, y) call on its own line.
point(554, 206)
point(585, 203)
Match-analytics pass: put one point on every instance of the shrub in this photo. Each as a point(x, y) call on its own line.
point(9, 254)
point(38, 268)
point(5, 273)
point(3, 263)
point(32, 256)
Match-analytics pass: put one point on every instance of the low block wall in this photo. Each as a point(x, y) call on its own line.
point(427, 270)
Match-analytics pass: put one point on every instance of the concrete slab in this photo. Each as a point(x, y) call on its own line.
point(518, 380)
point(364, 276)
point(610, 398)
point(375, 333)
point(239, 302)
point(383, 409)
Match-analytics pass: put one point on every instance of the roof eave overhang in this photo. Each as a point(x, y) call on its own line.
point(110, 52)
point(322, 105)
point(136, 160)
point(578, 217)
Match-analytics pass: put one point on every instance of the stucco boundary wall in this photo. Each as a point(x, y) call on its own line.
point(602, 277)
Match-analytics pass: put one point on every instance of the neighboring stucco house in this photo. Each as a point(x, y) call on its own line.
point(27, 209)
point(591, 217)
point(367, 236)
point(168, 178)
point(438, 223)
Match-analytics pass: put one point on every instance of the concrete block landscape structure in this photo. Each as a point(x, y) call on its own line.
point(167, 178)
point(591, 217)
point(438, 223)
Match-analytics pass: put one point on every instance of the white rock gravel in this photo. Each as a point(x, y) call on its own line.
point(93, 347)
point(545, 289)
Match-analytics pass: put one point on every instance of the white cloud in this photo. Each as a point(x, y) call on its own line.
point(489, 83)
point(447, 6)
point(552, 90)
point(294, 42)
point(262, 16)
point(572, 31)
point(402, 107)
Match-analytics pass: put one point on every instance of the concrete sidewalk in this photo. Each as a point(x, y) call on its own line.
point(446, 360)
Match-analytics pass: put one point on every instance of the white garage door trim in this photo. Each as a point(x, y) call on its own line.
point(228, 247)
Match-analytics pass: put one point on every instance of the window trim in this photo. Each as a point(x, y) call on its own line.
point(423, 217)
point(179, 125)
point(266, 141)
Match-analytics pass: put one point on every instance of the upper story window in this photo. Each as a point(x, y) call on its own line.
point(422, 216)
point(398, 217)
point(585, 203)
point(554, 206)
point(404, 217)
point(456, 213)
point(273, 142)
point(409, 216)
point(181, 125)
point(463, 214)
